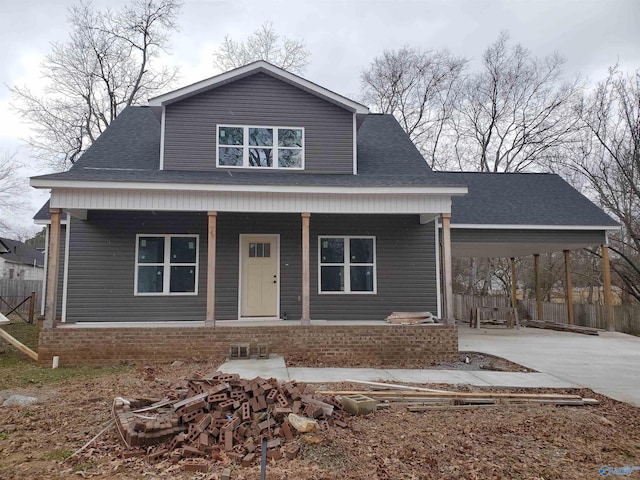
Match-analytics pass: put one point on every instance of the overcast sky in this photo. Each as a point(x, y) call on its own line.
point(343, 37)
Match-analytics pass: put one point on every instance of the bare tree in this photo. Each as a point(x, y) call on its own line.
point(608, 157)
point(108, 63)
point(419, 87)
point(516, 112)
point(13, 192)
point(263, 44)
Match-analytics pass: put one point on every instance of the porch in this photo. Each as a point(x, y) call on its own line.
point(330, 343)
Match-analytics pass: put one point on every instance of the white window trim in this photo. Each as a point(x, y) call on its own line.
point(167, 265)
point(245, 147)
point(347, 264)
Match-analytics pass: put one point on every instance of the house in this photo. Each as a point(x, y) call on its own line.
point(19, 261)
point(259, 195)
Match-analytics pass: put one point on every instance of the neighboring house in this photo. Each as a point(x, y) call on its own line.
point(19, 261)
point(257, 194)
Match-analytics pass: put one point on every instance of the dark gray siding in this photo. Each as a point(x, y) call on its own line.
point(190, 125)
point(406, 267)
point(472, 235)
point(230, 226)
point(102, 264)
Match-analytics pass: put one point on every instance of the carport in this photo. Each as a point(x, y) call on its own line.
point(519, 215)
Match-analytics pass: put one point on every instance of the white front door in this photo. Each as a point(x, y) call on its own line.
point(259, 275)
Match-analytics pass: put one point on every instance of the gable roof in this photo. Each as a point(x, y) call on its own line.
point(522, 200)
point(14, 251)
point(259, 66)
point(128, 151)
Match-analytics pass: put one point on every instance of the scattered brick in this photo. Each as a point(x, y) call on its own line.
point(221, 412)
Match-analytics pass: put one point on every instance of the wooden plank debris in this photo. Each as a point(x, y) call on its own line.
point(562, 327)
point(20, 346)
point(410, 318)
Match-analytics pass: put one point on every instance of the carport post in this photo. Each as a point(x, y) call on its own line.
point(536, 269)
point(567, 276)
point(608, 302)
point(514, 300)
point(446, 269)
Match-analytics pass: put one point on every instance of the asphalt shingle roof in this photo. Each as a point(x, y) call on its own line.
point(129, 151)
point(521, 199)
point(14, 251)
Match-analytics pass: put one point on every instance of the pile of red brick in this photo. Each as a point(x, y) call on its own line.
point(222, 415)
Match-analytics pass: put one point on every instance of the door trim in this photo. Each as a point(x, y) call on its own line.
point(241, 237)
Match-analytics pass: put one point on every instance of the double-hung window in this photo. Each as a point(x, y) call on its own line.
point(260, 147)
point(166, 265)
point(347, 264)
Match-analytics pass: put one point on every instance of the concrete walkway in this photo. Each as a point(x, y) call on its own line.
point(275, 367)
point(608, 364)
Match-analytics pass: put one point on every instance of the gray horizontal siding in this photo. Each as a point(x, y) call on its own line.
point(190, 125)
point(526, 236)
point(102, 264)
point(405, 267)
point(230, 226)
point(102, 267)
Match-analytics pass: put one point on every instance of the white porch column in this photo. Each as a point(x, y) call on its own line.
point(608, 301)
point(447, 278)
point(53, 260)
point(210, 319)
point(306, 319)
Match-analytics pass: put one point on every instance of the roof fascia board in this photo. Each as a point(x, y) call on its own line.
point(256, 67)
point(487, 226)
point(73, 184)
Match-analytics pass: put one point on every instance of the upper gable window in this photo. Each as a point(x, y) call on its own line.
point(265, 147)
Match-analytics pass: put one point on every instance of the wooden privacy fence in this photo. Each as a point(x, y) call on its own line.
point(22, 297)
point(626, 317)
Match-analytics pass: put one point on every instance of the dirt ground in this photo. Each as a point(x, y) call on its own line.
point(505, 442)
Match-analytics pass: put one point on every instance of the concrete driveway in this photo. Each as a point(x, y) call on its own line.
point(608, 364)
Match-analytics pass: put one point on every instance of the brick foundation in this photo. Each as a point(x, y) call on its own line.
point(339, 346)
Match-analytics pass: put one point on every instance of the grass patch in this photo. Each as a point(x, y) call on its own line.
point(18, 370)
point(57, 455)
point(24, 332)
point(4, 435)
point(22, 373)
point(83, 467)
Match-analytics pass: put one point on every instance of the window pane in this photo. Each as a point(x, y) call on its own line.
point(262, 137)
point(260, 247)
point(332, 279)
point(261, 157)
point(361, 250)
point(230, 136)
point(230, 156)
point(267, 249)
point(332, 250)
point(183, 250)
point(288, 158)
point(252, 250)
point(289, 137)
point(150, 249)
point(150, 279)
point(361, 279)
point(183, 279)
